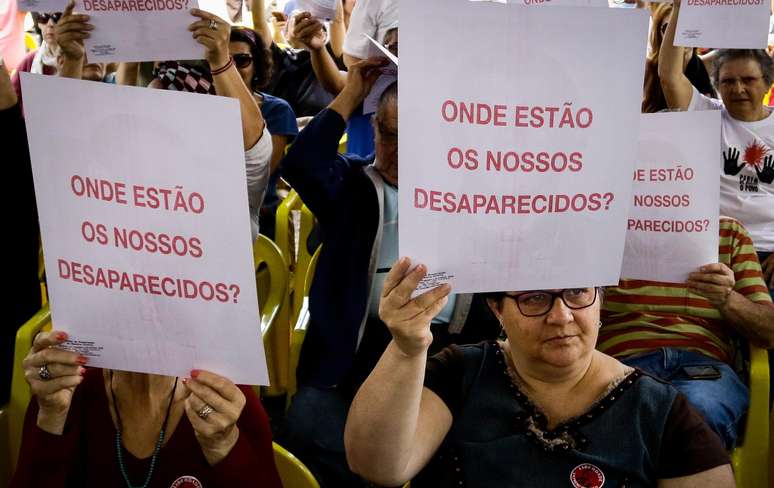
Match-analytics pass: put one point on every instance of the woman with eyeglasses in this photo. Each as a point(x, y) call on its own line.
point(254, 62)
point(539, 408)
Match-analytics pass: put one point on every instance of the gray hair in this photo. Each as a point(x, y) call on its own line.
point(759, 55)
point(388, 96)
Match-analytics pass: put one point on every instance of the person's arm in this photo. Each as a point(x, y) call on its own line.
point(393, 418)
point(278, 145)
point(309, 32)
point(228, 83)
point(47, 459)
point(338, 31)
point(312, 165)
point(260, 25)
point(691, 454)
point(716, 282)
point(675, 85)
point(70, 32)
point(718, 477)
point(127, 74)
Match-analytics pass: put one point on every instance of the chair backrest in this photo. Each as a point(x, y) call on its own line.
point(273, 289)
point(303, 263)
point(751, 458)
point(299, 330)
point(20, 389)
point(266, 252)
point(283, 226)
point(292, 472)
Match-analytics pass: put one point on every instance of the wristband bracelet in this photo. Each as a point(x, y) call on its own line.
point(224, 68)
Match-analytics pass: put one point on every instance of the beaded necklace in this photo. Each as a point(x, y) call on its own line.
point(159, 441)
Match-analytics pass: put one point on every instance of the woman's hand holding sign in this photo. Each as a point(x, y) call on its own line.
point(213, 33)
point(53, 374)
point(409, 319)
point(213, 408)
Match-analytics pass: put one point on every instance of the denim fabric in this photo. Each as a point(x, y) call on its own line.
point(722, 402)
point(314, 432)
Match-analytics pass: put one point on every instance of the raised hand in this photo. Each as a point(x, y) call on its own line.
point(53, 374)
point(409, 319)
point(766, 175)
point(309, 32)
point(70, 32)
point(731, 165)
point(213, 408)
point(213, 33)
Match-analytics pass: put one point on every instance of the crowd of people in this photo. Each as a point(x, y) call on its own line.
point(634, 385)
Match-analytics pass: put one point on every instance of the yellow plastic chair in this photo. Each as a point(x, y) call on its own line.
point(302, 264)
point(751, 459)
point(299, 330)
point(20, 390)
point(283, 227)
point(272, 290)
point(30, 43)
point(292, 471)
point(343, 144)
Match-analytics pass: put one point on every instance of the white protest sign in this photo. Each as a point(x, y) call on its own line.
point(737, 24)
point(674, 212)
point(320, 9)
point(144, 218)
point(42, 5)
point(217, 7)
point(140, 30)
point(516, 159)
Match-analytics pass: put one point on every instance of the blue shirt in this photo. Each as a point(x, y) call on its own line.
point(281, 121)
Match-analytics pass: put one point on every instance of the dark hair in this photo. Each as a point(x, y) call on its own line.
point(262, 60)
point(759, 55)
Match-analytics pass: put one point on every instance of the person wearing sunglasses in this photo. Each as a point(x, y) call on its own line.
point(254, 63)
point(539, 408)
point(44, 59)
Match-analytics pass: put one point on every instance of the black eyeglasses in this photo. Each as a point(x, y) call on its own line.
point(43, 18)
point(537, 303)
point(243, 60)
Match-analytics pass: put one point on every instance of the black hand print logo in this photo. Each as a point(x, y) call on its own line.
point(731, 164)
point(766, 175)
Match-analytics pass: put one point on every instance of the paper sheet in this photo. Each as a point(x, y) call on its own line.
point(144, 219)
point(672, 227)
point(495, 193)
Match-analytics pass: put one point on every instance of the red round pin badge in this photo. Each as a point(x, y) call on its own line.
point(587, 476)
point(186, 482)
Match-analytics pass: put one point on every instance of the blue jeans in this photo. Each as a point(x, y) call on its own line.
point(722, 402)
point(314, 432)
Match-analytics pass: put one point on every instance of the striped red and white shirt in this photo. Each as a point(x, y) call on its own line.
point(641, 316)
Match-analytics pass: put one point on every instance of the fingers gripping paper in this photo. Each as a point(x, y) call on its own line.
point(516, 159)
point(144, 218)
